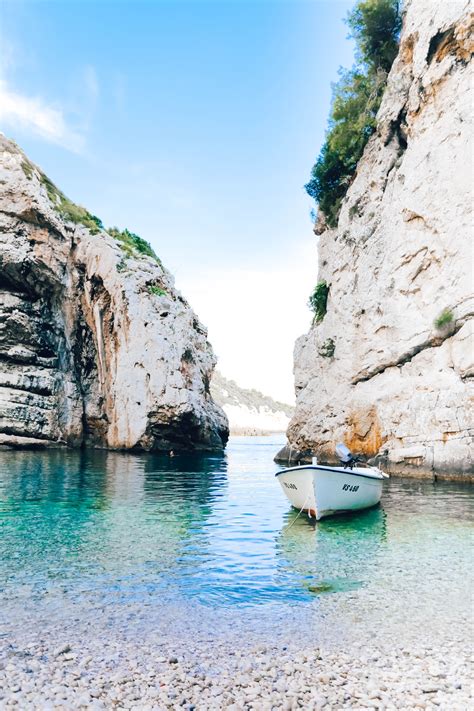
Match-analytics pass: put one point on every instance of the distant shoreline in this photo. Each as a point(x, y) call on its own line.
point(253, 432)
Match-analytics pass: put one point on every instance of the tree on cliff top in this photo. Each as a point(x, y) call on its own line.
point(375, 26)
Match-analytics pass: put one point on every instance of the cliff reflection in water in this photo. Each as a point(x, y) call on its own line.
point(105, 522)
point(333, 555)
point(94, 528)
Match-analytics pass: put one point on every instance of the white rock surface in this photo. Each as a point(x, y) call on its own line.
point(88, 353)
point(401, 254)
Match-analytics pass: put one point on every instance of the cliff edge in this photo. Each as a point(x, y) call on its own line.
point(97, 347)
point(390, 368)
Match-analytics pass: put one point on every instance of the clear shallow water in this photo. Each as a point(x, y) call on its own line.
point(111, 529)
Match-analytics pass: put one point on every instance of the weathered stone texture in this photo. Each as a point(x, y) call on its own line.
point(88, 354)
point(398, 386)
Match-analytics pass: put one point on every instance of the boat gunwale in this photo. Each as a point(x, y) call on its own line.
point(338, 470)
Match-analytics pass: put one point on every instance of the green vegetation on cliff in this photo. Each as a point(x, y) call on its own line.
point(157, 290)
point(445, 318)
point(318, 301)
point(327, 349)
point(68, 209)
point(132, 244)
point(375, 26)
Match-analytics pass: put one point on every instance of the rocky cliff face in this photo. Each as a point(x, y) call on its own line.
point(400, 380)
point(96, 345)
point(249, 411)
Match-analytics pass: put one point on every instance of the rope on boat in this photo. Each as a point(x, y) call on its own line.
point(298, 514)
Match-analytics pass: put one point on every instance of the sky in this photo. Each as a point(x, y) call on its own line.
point(195, 124)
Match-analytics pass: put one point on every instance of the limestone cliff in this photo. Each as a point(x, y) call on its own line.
point(96, 345)
point(398, 380)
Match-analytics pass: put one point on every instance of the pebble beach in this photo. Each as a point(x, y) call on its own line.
point(115, 676)
point(153, 659)
point(132, 586)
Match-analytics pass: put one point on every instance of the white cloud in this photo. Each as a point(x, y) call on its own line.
point(254, 317)
point(33, 114)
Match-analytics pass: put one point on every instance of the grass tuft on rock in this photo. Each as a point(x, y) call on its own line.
point(327, 349)
point(445, 318)
point(68, 210)
point(27, 168)
point(157, 290)
point(132, 244)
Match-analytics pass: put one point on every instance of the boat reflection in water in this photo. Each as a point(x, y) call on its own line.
point(334, 555)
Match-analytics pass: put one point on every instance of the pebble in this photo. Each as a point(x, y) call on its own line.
point(112, 673)
point(62, 650)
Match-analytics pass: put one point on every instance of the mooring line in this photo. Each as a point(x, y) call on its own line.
point(298, 514)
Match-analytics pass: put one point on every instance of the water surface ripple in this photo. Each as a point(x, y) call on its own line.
point(95, 529)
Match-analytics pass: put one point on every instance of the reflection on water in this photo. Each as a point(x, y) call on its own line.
point(335, 554)
point(104, 521)
point(113, 528)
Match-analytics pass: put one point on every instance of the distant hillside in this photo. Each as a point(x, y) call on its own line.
point(249, 411)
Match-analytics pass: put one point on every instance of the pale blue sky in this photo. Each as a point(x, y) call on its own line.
point(194, 124)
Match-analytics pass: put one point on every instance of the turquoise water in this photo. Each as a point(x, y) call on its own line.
point(100, 528)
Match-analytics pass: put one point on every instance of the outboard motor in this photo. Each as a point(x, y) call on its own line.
point(345, 455)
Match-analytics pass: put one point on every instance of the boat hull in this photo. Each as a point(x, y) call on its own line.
point(324, 491)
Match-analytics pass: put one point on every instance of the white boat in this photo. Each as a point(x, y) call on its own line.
point(322, 490)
